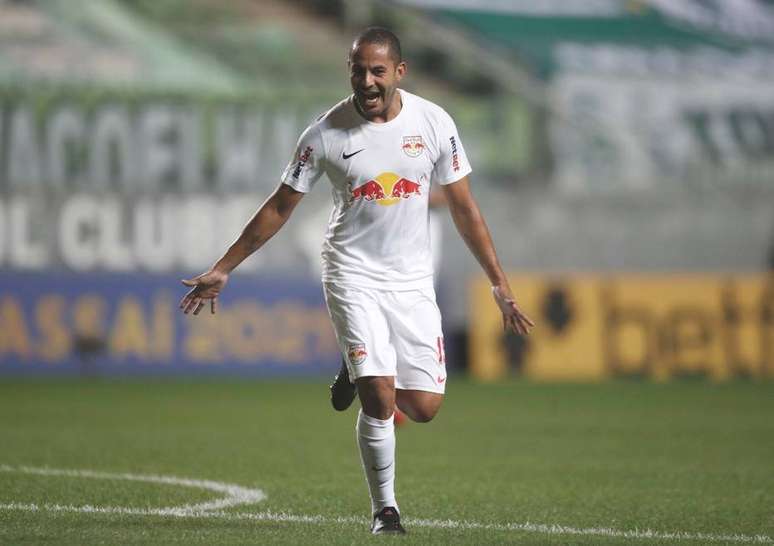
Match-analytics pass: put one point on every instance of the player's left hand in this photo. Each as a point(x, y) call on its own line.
point(514, 319)
point(206, 286)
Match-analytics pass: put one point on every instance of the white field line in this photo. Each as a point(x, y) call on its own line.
point(234, 494)
point(537, 528)
point(208, 510)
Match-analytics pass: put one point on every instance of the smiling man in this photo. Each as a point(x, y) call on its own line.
point(381, 148)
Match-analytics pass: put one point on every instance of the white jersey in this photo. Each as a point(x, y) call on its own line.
point(378, 234)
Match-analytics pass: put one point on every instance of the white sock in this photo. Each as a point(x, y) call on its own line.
point(376, 439)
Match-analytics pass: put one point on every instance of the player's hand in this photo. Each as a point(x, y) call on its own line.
point(206, 286)
point(514, 318)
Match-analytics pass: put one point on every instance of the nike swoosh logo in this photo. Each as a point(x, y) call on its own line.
point(380, 469)
point(347, 156)
point(441, 379)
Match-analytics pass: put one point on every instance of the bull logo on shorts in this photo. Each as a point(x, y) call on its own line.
point(356, 354)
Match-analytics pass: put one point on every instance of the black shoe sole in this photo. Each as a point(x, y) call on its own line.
point(342, 391)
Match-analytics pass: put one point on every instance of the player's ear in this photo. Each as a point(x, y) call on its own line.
point(401, 69)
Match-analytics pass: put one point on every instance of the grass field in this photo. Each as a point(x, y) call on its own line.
point(583, 464)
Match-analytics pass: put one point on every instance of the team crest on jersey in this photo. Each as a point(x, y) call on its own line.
point(356, 353)
point(413, 146)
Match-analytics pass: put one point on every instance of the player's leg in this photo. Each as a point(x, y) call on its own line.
point(420, 406)
point(348, 310)
point(421, 361)
point(377, 396)
point(363, 334)
point(376, 439)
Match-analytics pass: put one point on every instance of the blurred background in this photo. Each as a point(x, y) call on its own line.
point(623, 155)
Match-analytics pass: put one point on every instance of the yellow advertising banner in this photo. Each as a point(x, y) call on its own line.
point(655, 326)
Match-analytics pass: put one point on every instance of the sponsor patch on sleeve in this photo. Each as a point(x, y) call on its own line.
point(302, 161)
point(455, 156)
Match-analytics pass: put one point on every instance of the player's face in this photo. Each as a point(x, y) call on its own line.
point(374, 76)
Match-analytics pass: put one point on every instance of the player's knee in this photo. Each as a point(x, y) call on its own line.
point(377, 396)
point(378, 408)
point(420, 407)
point(423, 415)
point(382, 412)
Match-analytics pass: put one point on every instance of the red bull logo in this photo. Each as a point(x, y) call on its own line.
point(413, 146)
point(356, 352)
point(386, 189)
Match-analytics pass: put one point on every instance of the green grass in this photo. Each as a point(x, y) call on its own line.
point(688, 456)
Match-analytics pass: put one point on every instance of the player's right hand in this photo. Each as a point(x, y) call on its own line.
point(206, 286)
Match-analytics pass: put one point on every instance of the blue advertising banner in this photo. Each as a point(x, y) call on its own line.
point(130, 324)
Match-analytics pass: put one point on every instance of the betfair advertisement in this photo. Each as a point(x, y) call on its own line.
point(116, 324)
point(649, 326)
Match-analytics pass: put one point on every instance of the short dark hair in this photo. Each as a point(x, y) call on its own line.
point(380, 36)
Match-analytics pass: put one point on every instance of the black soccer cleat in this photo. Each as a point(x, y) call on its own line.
point(342, 391)
point(387, 522)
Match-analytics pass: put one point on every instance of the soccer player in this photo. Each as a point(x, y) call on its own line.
point(381, 148)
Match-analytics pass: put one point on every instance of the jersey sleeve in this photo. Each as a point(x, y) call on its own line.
point(452, 161)
point(307, 163)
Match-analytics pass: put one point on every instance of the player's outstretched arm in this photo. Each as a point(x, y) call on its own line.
point(267, 221)
point(472, 227)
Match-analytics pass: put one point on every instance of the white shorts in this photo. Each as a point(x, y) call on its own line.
point(390, 333)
